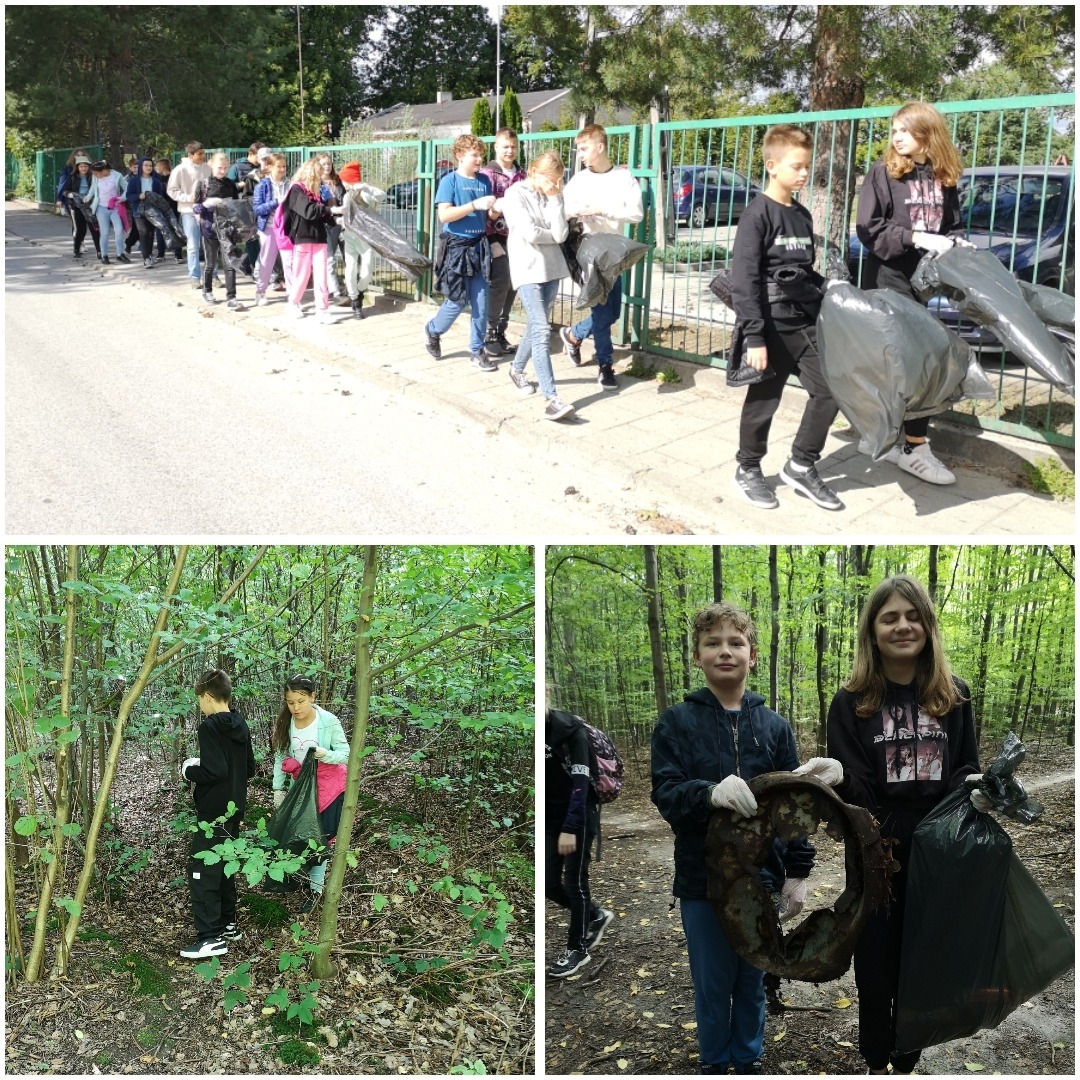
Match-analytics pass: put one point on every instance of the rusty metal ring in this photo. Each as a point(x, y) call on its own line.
point(819, 949)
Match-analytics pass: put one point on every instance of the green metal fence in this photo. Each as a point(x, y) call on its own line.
point(667, 307)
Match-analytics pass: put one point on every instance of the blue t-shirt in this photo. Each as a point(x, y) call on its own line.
point(460, 190)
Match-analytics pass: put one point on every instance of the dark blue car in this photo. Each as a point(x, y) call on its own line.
point(710, 194)
point(403, 195)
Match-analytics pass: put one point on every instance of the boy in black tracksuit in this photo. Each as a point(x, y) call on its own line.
point(571, 822)
point(220, 774)
point(703, 752)
point(776, 294)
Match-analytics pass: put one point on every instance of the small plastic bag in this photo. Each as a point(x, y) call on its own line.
point(296, 821)
point(234, 226)
point(602, 257)
point(980, 937)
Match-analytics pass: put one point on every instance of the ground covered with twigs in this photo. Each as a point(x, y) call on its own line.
point(631, 1009)
point(424, 984)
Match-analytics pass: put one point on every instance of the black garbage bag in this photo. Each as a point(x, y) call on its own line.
point(602, 257)
point(569, 249)
point(162, 216)
point(234, 226)
point(384, 240)
point(83, 206)
point(1054, 307)
point(981, 289)
point(980, 937)
point(887, 359)
point(296, 821)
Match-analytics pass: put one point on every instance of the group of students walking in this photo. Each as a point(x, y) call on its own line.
point(900, 702)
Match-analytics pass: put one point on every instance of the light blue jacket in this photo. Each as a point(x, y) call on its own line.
point(92, 194)
point(331, 737)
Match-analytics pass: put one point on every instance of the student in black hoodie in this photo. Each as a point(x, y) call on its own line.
point(571, 824)
point(908, 206)
point(902, 732)
point(703, 752)
point(220, 774)
point(209, 194)
point(777, 293)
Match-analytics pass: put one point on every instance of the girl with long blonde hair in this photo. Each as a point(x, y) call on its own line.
point(307, 219)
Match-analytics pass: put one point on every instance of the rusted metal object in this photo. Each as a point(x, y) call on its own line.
point(819, 948)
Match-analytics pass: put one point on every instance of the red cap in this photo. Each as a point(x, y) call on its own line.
point(350, 172)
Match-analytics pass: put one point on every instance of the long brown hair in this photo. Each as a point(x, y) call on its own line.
point(937, 693)
point(279, 740)
point(928, 126)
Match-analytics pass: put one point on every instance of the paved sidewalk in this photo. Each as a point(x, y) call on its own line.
point(669, 447)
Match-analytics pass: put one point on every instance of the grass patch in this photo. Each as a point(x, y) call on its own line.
point(148, 980)
point(439, 987)
point(97, 935)
point(149, 1036)
point(640, 368)
point(253, 812)
point(265, 913)
point(102, 1060)
point(1048, 476)
point(280, 1024)
point(298, 1052)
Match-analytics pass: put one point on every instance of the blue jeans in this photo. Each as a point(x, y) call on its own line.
point(729, 993)
point(445, 316)
point(536, 342)
point(599, 322)
point(104, 217)
point(194, 244)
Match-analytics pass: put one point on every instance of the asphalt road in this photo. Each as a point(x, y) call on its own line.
point(130, 415)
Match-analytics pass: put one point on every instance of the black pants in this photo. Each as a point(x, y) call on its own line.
point(792, 350)
point(146, 236)
point(877, 275)
point(500, 294)
point(877, 959)
point(211, 248)
point(566, 882)
point(80, 228)
point(213, 895)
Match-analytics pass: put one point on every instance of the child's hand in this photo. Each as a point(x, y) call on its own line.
point(758, 357)
point(321, 752)
point(485, 202)
point(567, 843)
point(187, 764)
point(734, 793)
point(826, 769)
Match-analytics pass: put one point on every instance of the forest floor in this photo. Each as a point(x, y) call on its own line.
point(631, 1009)
point(131, 1005)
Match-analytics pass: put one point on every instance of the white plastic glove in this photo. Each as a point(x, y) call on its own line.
point(337, 209)
point(934, 242)
point(826, 769)
point(981, 802)
point(279, 798)
point(792, 898)
point(184, 768)
point(734, 793)
point(959, 241)
point(321, 752)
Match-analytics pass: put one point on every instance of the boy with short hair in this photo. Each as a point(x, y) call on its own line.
point(209, 194)
point(776, 293)
point(181, 189)
point(603, 198)
point(463, 261)
point(503, 171)
point(220, 774)
point(703, 752)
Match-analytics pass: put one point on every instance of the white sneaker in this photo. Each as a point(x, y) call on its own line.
point(922, 463)
point(260, 300)
point(891, 455)
point(327, 316)
point(294, 311)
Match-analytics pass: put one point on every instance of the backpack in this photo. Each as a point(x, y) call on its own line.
point(277, 226)
point(605, 765)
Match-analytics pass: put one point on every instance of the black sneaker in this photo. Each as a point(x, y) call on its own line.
point(358, 307)
point(557, 410)
point(750, 481)
point(204, 947)
point(504, 344)
point(597, 927)
point(571, 962)
point(231, 932)
point(492, 347)
point(521, 381)
point(606, 379)
point(77, 254)
point(483, 363)
point(571, 350)
point(123, 257)
point(104, 260)
point(811, 485)
point(433, 344)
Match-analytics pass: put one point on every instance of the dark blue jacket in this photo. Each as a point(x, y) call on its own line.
point(134, 188)
point(694, 747)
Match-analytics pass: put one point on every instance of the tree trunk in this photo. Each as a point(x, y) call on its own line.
point(821, 644)
point(836, 83)
point(717, 573)
point(322, 966)
point(774, 640)
point(655, 645)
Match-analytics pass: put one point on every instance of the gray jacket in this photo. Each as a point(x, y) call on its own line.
point(537, 227)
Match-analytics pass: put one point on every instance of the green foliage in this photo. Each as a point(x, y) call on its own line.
point(697, 253)
point(298, 1052)
point(263, 912)
point(121, 865)
point(640, 368)
point(1047, 476)
point(148, 1036)
point(469, 1068)
point(148, 980)
point(510, 114)
point(482, 123)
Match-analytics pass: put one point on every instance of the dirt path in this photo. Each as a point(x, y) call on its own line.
point(631, 1010)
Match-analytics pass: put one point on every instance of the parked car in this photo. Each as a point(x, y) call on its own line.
point(403, 195)
point(1025, 216)
point(710, 194)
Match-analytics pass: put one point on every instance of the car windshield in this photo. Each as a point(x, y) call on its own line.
point(1020, 203)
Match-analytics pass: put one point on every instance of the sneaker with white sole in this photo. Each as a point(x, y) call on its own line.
point(231, 932)
point(294, 311)
point(204, 947)
point(807, 482)
point(571, 962)
point(483, 363)
point(557, 410)
point(326, 316)
point(570, 347)
point(606, 379)
point(890, 455)
point(918, 459)
point(521, 381)
point(261, 300)
point(750, 480)
point(597, 927)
